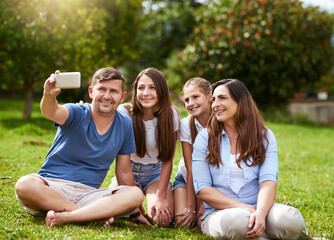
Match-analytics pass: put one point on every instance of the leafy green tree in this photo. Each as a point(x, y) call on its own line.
point(41, 36)
point(276, 47)
point(38, 37)
point(121, 28)
point(165, 26)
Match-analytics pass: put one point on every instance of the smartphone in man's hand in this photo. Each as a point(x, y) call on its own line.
point(68, 80)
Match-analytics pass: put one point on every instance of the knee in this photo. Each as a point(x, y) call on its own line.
point(285, 222)
point(237, 219)
point(233, 223)
point(136, 194)
point(24, 186)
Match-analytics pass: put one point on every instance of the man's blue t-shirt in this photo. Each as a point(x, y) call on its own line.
point(80, 154)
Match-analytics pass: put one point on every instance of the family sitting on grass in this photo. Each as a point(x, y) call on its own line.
point(227, 178)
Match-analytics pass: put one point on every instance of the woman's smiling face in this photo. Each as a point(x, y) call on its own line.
point(223, 106)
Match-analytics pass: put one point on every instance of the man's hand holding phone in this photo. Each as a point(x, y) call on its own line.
point(58, 81)
point(50, 86)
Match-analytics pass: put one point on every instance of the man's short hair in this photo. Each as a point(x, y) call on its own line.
point(108, 73)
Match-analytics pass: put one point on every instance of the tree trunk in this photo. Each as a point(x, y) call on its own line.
point(28, 100)
point(176, 96)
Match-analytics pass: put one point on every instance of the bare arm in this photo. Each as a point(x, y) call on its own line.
point(49, 104)
point(187, 152)
point(266, 197)
point(123, 171)
point(161, 208)
point(265, 201)
point(218, 200)
point(166, 171)
point(189, 218)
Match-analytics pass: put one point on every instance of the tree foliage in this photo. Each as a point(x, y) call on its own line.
point(276, 47)
point(121, 28)
point(165, 27)
point(38, 37)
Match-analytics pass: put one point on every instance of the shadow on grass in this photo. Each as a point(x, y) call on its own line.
point(122, 223)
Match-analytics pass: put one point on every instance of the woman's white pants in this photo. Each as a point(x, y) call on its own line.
point(282, 222)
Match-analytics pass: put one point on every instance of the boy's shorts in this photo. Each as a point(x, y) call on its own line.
point(77, 193)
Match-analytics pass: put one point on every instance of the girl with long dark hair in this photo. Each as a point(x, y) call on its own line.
point(156, 124)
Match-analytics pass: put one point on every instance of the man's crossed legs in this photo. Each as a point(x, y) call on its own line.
point(66, 201)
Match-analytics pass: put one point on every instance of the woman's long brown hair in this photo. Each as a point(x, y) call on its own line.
point(163, 111)
point(204, 87)
point(248, 122)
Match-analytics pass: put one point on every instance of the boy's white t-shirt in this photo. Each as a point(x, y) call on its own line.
point(151, 157)
point(185, 136)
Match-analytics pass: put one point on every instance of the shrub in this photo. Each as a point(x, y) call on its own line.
point(275, 47)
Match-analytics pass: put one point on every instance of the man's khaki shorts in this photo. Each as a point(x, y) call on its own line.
point(78, 193)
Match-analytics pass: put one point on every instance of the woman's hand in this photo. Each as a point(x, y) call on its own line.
point(189, 218)
point(257, 223)
point(161, 212)
point(248, 207)
point(266, 199)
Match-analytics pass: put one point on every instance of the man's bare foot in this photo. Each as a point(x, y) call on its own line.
point(50, 219)
point(106, 222)
point(53, 219)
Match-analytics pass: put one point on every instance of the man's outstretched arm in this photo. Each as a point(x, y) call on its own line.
point(49, 104)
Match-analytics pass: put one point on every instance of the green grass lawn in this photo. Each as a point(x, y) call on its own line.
point(306, 167)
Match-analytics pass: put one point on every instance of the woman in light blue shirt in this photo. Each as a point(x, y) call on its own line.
point(235, 171)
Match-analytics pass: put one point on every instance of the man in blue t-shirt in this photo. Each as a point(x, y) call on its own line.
point(89, 137)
